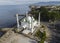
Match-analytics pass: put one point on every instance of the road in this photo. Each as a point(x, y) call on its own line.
point(55, 33)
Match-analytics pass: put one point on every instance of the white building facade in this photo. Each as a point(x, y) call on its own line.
point(28, 23)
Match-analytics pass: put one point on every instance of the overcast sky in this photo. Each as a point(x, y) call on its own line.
point(13, 2)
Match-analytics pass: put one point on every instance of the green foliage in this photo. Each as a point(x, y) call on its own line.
point(42, 26)
point(38, 34)
point(54, 15)
point(46, 14)
point(41, 36)
point(35, 14)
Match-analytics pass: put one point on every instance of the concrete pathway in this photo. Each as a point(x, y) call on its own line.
point(11, 37)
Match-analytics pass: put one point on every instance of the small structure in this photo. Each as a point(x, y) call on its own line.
point(28, 23)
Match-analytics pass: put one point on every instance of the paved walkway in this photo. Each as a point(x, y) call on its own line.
point(11, 37)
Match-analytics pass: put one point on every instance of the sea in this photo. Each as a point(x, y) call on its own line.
point(8, 12)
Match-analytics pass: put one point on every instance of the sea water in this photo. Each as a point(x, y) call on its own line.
point(8, 12)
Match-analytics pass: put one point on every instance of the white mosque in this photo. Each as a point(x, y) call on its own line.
point(28, 23)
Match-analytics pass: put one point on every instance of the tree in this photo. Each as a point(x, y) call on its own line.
point(35, 13)
point(46, 14)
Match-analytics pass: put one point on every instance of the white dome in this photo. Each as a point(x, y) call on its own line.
point(29, 19)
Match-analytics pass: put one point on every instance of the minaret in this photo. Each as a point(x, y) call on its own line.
point(39, 19)
point(17, 21)
point(31, 24)
point(26, 15)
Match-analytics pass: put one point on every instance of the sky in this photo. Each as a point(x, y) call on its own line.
point(14, 2)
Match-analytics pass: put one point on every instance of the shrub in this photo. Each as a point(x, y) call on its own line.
point(41, 36)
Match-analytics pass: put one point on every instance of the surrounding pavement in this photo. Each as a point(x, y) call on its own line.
point(54, 33)
point(12, 37)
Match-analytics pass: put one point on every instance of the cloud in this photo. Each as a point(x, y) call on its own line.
point(14, 2)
